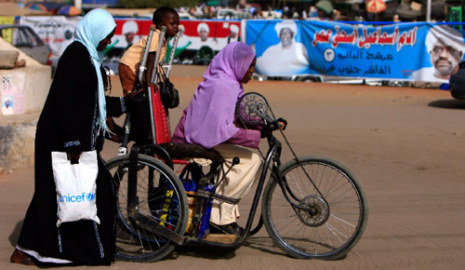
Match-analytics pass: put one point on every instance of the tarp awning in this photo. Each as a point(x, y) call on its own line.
point(12, 9)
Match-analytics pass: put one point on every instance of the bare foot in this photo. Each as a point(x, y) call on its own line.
point(22, 258)
point(20, 63)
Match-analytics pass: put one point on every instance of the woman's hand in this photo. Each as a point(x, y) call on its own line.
point(280, 123)
point(73, 157)
point(135, 92)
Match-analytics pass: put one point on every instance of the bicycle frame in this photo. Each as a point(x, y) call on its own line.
point(273, 159)
point(313, 207)
point(273, 156)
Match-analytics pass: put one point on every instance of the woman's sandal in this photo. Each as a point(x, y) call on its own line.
point(21, 258)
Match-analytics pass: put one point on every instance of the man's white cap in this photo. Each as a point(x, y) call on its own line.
point(286, 24)
point(447, 35)
point(203, 26)
point(130, 26)
point(234, 28)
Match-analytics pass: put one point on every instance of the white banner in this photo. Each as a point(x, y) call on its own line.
point(56, 31)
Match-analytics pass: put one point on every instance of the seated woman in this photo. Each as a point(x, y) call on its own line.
point(209, 120)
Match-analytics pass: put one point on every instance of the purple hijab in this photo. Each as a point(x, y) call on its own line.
point(210, 114)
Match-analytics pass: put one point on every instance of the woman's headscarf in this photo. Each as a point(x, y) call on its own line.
point(93, 28)
point(210, 115)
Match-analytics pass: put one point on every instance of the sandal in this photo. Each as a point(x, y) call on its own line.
point(21, 258)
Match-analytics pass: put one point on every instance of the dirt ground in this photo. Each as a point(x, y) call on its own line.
point(405, 146)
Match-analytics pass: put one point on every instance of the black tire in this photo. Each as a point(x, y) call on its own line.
point(154, 180)
point(308, 79)
point(332, 222)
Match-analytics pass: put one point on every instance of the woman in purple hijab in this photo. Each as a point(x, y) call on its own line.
point(209, 120)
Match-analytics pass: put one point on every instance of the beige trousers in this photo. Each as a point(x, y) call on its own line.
point(237, 183)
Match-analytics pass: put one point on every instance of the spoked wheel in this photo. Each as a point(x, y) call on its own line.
point(156, 214)
point(325, 219)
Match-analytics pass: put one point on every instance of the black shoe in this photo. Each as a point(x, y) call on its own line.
point(232, 228)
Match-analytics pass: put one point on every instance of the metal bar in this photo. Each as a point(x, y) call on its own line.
point(173, 49)
point(123, 149)
point(428, 10)
point(132, 181)
point(152, 80)
point(154, 77)
point(258, 191)
point(152, 225)
point(143, 66)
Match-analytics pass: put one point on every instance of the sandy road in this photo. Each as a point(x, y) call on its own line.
point(406, 146)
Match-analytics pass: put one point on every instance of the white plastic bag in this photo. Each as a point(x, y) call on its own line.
point(75, 187)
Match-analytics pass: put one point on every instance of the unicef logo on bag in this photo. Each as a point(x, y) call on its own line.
point(76, 187)
point(90, 197)
point(77, 198)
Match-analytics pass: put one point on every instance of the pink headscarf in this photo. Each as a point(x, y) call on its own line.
point(210, 114)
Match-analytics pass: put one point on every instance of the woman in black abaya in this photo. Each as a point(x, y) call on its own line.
point(73, 121)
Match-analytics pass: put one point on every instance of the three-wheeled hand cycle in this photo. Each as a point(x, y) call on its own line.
point(312, 207)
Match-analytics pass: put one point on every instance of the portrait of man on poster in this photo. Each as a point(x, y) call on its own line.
point(288, 57)
point(445, 46)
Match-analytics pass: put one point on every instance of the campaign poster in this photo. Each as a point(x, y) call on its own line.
point(56, 31)
point(129, 31)
point(13, 96)
point(408, 51)
point(198, 42)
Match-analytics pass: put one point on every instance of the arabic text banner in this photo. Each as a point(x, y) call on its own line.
point(215, 34)
point(406, 51)
point(58, 32)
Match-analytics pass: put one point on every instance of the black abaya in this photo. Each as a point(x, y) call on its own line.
point(68, 123)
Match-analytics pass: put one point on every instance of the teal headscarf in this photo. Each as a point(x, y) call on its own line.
point(93, 28)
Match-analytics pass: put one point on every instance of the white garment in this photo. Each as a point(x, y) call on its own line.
point(276, 61)
point(214, 44)
point(237, 183)
point(427, 75)
point(42, 259)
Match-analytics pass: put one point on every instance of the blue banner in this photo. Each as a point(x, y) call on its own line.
point(100, 2)
point(406, 51)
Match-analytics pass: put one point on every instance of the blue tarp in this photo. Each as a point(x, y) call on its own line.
point(397, 51)
point(100, 2)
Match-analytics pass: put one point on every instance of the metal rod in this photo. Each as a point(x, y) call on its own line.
point(143, 64)
point(152, 80)
point(123, 149)
point(173, 49)
point(154, 77)
point(258, 191)
point(428, 10)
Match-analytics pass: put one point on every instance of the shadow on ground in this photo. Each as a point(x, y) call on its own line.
point(264, 244)
point(205, 251)
point(13, 238)
point(448, 104)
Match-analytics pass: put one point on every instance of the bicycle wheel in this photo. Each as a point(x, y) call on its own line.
point(325, 219)
point(160, 199)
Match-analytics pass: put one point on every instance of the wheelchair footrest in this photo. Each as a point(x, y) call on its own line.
point(221, 238)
